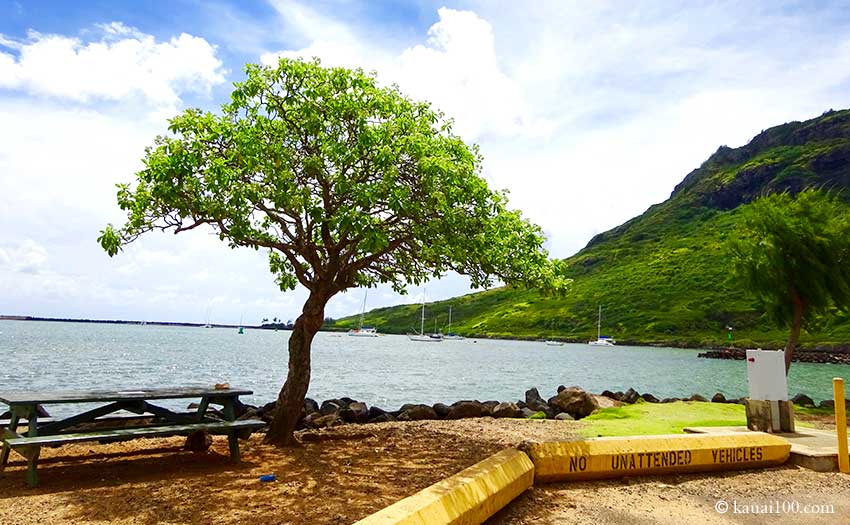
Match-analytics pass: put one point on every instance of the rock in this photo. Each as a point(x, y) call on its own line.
point(631, 396)
point(607, 402)
point(521, 404)
point(375, 412)
point(417, 413)
point(383, 418)
point(198, 441)
point(610, 395)
point(670, 400)
point(506, 410)
point(563, 416)
point(619, 395)
point(575, 402)
point(718, 398)
point(488, 407)
point(649, 398)
point(526, 412)
point(441, 409)
point(355, 413)
point(329, 420)
point(803, 400)
point(329, 407)
point(536, 403)
point(239, 408)
point(345, 402)
point(310, 406)
point(251, 413)
point(827, 403)
point(464, 409)
point(697, 397)
point(561, 388)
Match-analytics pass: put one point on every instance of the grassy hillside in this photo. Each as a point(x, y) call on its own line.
point(664, 277)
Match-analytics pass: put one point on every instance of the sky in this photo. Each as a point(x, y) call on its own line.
point(587, 113)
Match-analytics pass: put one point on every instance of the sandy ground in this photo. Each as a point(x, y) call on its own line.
point(337, 476)
point(686, 499)
point(340, 475)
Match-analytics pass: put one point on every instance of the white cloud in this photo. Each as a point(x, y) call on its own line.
point(26, 256)
point(124, 63)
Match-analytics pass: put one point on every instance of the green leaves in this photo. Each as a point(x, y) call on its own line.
point(346, 182)
point(795, 246)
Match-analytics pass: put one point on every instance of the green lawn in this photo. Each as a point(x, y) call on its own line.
point(661, 418)
point(641, 419)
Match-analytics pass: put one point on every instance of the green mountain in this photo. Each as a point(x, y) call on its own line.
point(664, 277)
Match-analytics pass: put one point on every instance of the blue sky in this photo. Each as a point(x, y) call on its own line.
point(586, 112)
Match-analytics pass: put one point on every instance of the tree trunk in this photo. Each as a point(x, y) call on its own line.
point(290, 401)
point(796, 324)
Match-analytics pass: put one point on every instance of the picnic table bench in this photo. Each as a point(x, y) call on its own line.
point(165, 422)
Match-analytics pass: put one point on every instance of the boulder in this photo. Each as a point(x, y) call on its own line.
point(310, 406)
point(489, 406)
point(827, 403)
point(670, 400)
point(610, 395)
point(631, 396)
point(464, 409)
point(198, 441)
point(803, 400)
point(417, 413)
point(355, 413)
point(383, 418)
point(526, 412)
point(375, 412)
point(560, 388)
point(607, 402)
point(251, 413)
point(506, 410)
point(563, 416)
point(346, 401)
point(441, 409)
point(536, 403)
point(329, 420)
point(521, 404)
point(718, 398)
point(649, 398)
point(331, 406)
point(697, 397)
point(575, 402)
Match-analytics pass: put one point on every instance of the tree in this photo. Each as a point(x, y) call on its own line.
point(346, 183)
point(794, 257)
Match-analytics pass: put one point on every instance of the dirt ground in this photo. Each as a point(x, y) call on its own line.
point(337, 476)
point(340, 475)
point(778, 495)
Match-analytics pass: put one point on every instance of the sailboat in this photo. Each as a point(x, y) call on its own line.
point(362, 331)
point(449, 334)
point(552, 342)
point(601, 340)
point(422, 336)
point(207, 324)
point(241, 328)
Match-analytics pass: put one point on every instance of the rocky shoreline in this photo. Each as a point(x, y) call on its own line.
point(569, 403)
point(837, 357)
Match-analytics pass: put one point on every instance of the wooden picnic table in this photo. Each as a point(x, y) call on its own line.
point(23, 406)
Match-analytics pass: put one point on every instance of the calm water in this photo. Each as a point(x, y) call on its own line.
point(386, 371)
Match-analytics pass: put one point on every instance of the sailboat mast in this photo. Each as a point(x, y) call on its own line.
point(450, 318)
point(363, 309)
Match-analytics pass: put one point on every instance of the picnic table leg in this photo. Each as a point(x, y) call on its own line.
point(33, 452)
point(13, 426)
point(232, 438)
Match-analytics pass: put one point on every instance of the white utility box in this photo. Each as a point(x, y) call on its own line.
point(766, 375)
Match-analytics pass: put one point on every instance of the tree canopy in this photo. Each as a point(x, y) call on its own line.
point(347, 183)
point(794, 257)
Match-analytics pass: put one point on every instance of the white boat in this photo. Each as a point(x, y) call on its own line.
point(450, 335)
point(422, 336)
point(601, 340)
point(363, 331)
point(554, 343)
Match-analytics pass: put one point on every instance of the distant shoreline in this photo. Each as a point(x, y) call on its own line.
point(117, 321)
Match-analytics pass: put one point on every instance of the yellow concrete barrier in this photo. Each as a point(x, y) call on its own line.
point(641, 455)
point(469, 497)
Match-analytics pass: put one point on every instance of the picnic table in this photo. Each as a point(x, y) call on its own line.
point(163, 422)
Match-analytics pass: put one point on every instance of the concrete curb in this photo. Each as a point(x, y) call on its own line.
point(614, 457)
point(469, 497)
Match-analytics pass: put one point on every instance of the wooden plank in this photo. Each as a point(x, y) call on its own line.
point(212, 427)
point(25, 421)
point(94, 396)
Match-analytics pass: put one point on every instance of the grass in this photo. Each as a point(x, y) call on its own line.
point(664, 277)
point(642, 419)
